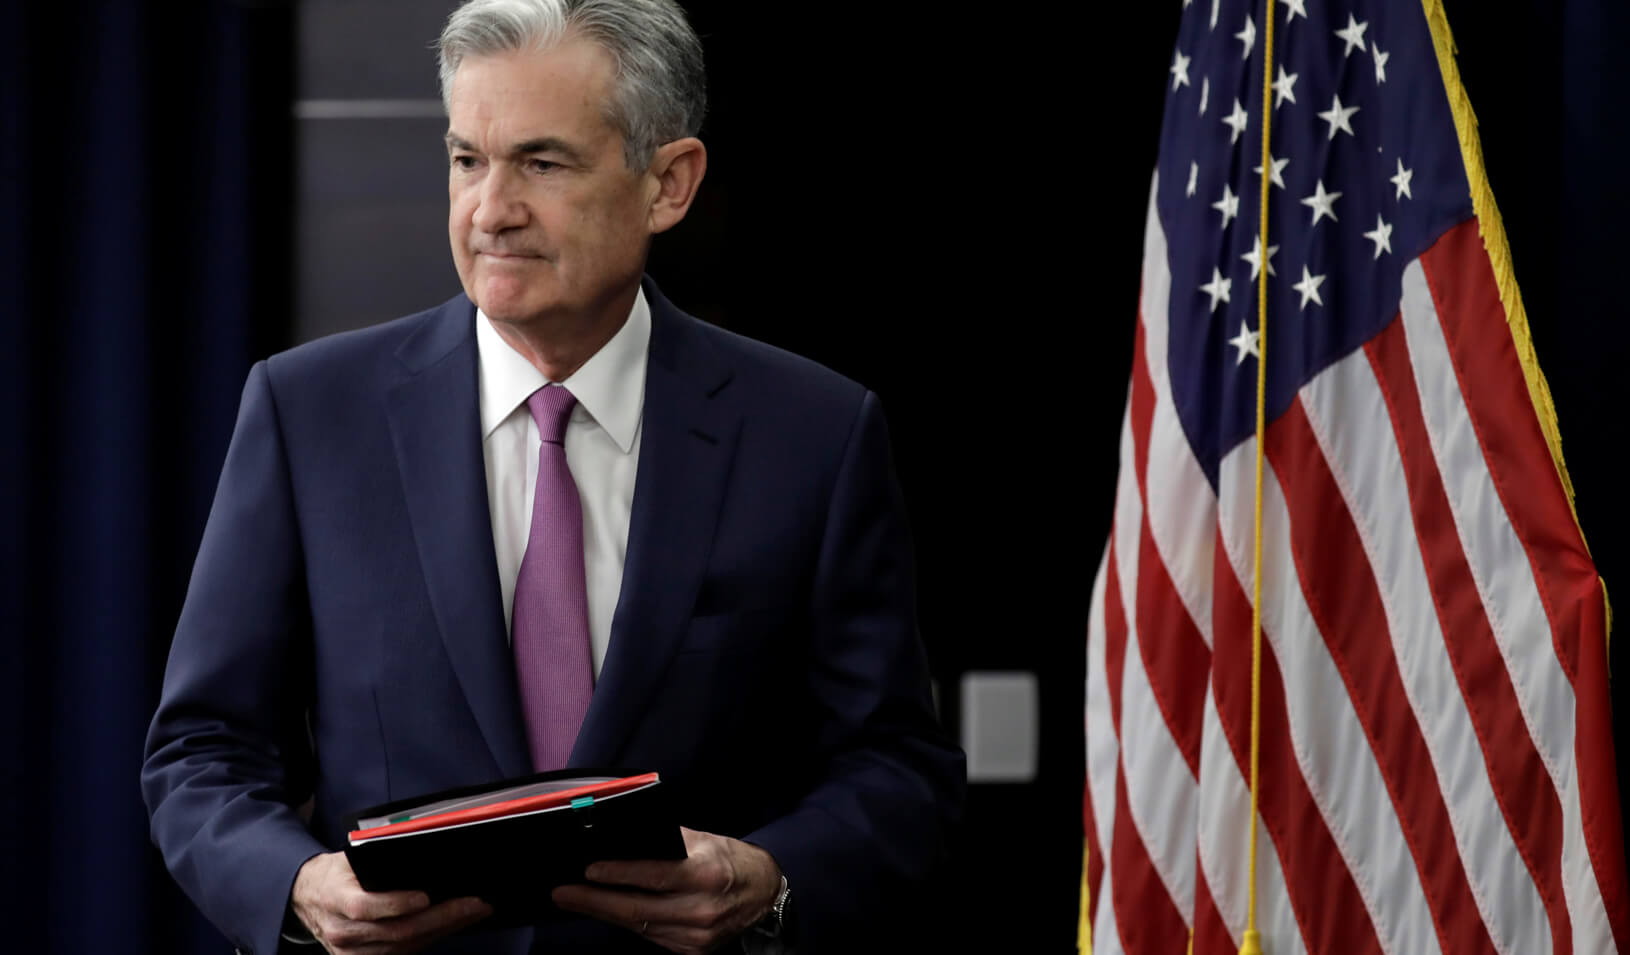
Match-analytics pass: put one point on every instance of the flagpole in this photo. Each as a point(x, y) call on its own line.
point(1252, 943)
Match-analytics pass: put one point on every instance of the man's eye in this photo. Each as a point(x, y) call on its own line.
point(544, 165)
point(463, 162)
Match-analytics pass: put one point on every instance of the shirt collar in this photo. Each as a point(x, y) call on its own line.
point(609, 387)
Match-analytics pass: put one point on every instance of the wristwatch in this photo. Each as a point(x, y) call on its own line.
point(773, 922)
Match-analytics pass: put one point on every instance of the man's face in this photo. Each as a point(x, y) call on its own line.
point(545, 218)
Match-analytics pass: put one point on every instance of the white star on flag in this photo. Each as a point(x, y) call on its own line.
point(1248, 343)
point(1283, 88)
point(1179, 72)
point(1380, 62)
point(1237, 121)
point(1381, 235)
point(1217, 288)
point(1247, 36)
point(1402, 180)
point(1337, 117)
point(1294, 9)
point(1194, 178)
point(1278, 168)
point(1255, 257)
point(1228, 205)
point(1309, 287)
point(1353, 33)
point(1205, 94)
point(1323, 203)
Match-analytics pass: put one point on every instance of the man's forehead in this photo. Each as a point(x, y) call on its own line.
point(532, 99)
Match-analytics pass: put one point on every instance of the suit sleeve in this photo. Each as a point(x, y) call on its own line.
point(226, 756)
point(878, 823)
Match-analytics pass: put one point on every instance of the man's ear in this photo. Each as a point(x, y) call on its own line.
point(677, 169)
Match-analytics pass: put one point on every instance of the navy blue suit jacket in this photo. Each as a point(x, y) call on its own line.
point(343, 639)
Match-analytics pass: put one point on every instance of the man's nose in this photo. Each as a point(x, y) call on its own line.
point(498, 205)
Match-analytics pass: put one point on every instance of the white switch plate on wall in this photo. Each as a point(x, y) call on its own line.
point(999, 717)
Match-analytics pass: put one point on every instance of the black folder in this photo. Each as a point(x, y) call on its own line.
point(511, 842)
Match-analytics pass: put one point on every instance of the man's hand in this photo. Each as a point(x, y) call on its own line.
point(346, 918)
point(688, 906)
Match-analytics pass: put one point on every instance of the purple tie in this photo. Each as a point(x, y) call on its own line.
point(550, 625)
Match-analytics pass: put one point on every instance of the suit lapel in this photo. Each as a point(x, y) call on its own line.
point(435, 423)
point(688, 440)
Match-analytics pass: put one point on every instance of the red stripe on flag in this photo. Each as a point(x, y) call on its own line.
point(1522, 787)
point(1503, 416)
point(1175, 655)
point(1095, 852)
point(1598, 787)
point(1345, 602)
point(1114, 635)
point(1328, 907)
point(1147, 917)
point(1140, 407)
point(1491, 379)
point(1210, 934)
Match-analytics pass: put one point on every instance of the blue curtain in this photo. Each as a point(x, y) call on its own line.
point(144, 169)
point(1590, 338)
point(1545, 82)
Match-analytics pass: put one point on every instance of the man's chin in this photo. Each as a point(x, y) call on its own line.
point(506, 304)
point(511, 316)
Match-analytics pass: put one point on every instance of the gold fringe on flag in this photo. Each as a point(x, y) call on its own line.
point(1083, 926)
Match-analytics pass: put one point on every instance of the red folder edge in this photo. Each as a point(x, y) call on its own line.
point(508, 807)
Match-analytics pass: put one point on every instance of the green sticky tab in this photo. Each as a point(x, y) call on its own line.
point(582, 802)
point(402, 818)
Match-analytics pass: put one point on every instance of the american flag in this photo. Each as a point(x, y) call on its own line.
point(1436, 755)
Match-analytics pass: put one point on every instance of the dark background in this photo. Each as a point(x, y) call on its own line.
point(946, 206)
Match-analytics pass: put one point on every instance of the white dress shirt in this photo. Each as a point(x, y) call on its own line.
point(602, 452)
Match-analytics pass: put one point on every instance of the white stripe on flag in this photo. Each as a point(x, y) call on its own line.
point(1103, 748)
point(1182, 508)
point(1225, 801)
point(1160, 792)
point(1510, 596)
point(1349, 418)
point(1128, 530)
point(1591, 930)
point(1106, 932)
point(1329, 743)
point(1155, 288)
point(1182, 511)
point(1505, 581)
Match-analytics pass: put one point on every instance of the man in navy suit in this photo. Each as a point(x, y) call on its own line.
point(747, 580)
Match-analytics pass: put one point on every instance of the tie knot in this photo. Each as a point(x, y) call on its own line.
point(551, 405)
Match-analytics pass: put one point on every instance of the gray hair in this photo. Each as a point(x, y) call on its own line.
point(660, 91)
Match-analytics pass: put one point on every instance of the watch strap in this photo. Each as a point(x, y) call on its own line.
point(776, 919)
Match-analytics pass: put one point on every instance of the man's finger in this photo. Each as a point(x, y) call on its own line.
point(443, 918)
point(695, 839)
point(363, 906)
point(408, 931)
point(655, 875)
point(618, 905)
